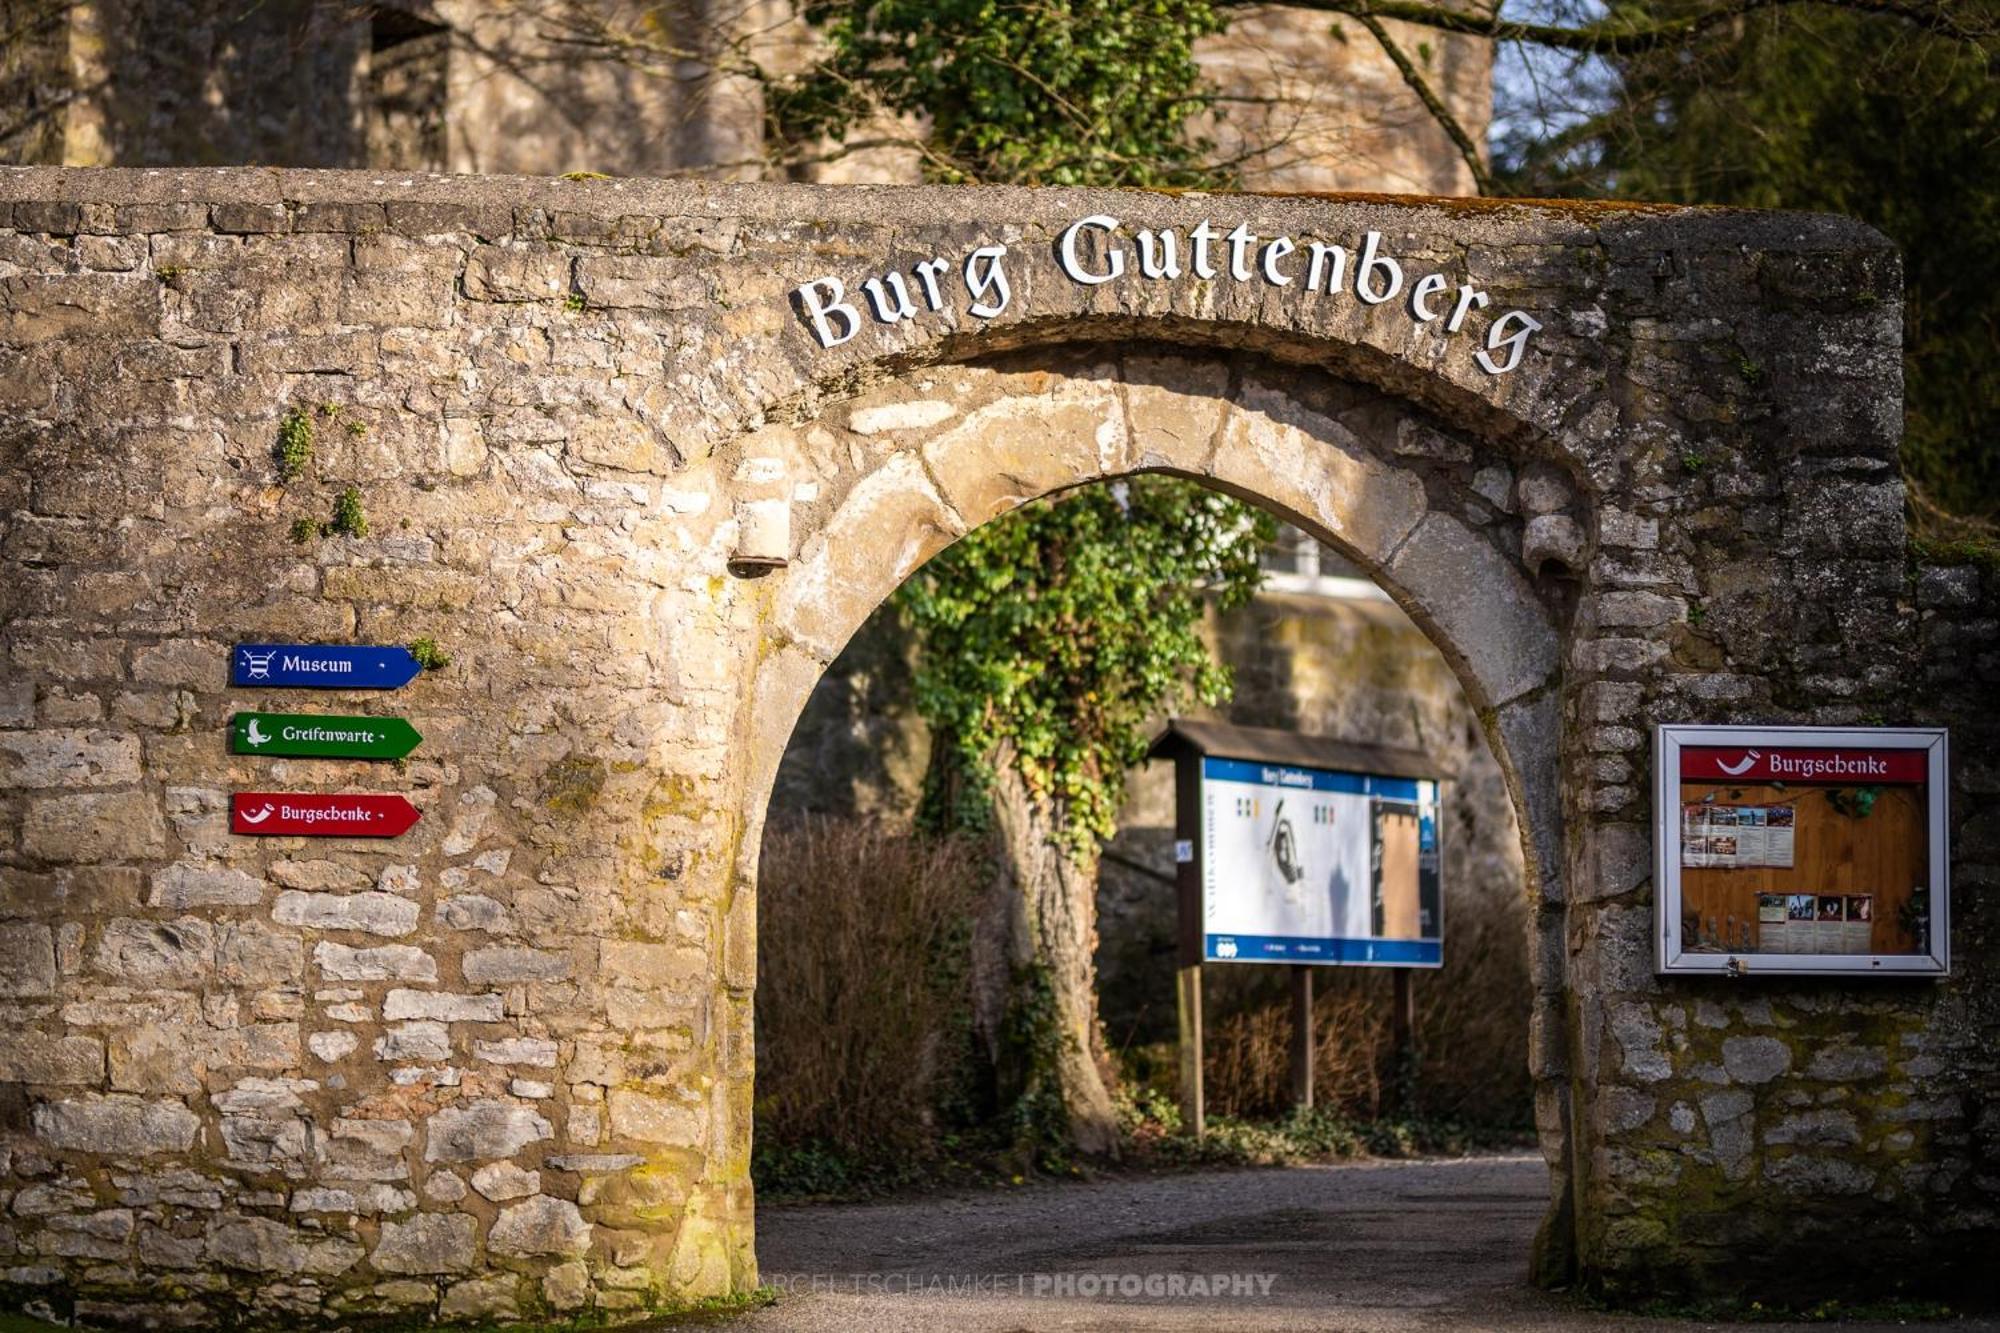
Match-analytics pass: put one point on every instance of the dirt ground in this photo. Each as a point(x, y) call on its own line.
point(1377, 1247)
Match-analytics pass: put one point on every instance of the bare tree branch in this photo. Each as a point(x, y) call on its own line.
point(1482, 178)
point(1618, 37)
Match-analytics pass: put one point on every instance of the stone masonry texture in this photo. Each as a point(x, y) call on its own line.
point(504, 1063)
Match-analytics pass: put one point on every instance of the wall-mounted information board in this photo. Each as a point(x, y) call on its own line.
point(1801, 850)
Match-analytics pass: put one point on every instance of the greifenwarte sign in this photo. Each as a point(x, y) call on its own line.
point(1095, 250)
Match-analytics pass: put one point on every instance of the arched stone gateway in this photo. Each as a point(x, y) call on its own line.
point(1624, 465)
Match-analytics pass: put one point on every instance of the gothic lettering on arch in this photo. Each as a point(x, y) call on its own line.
point(1098, 251)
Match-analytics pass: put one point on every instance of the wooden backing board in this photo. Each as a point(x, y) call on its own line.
point(1883, 854)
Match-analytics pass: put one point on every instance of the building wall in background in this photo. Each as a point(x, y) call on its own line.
point(521, 87)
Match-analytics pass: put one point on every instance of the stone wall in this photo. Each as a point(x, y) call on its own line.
point(505, 1061)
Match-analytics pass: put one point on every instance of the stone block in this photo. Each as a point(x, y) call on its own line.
point(649, 1119)
point(443, 1007)
point(27, 959)
point(482, 1131)
point(249, 953)
point(68, 757)
point(538, 1052)
point(495, 273)
point(414, 1041)
point(473, 911)
point(624, 444)
point(355, 1200)
point(486, 1298)
point(385, 962)
point(1019, 449)
point(1637, 1032)
point(370, 913)
point(317, 876)
point(566, 1286)
point(45, 1057)
point(203, 884)
point(649, 964)
point(159, 1057)
point(1314, 468)
point(427, 1243)
point(484, 967)
point(889, 524)
point(116, 1125)
point(34, 307)
point(366, 1150)
point(95, 826)
point(501, 1181)
point(538, 1226)
point(332, 1046)
point(178, 953)
point(1755, 1059)
point(1801, 1174)
point(1480, 609)
point(915, 414)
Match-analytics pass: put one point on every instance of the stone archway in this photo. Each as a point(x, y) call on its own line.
point(912, 464)
point(504, 1062)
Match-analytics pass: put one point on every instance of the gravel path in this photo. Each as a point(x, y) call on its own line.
point(1388, 1246)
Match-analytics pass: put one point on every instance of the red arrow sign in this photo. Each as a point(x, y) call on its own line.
point(308, 814)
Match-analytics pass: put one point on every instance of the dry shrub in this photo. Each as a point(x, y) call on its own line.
point(1472, 1022)
point(1472, 1033)
point(1247, 1056)
point(861, 990)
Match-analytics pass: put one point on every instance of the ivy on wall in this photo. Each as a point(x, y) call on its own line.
point(1065, 629)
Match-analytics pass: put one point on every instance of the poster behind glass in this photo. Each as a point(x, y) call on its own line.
point(1790, 850)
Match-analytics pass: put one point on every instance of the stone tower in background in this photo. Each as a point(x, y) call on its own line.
point(541, 87)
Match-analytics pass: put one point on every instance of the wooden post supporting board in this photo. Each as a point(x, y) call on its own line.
point(1302, 1035)
point(1187, 989)
point(1405, 1024)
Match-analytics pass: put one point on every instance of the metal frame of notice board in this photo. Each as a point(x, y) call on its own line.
point(1349, 767)
point(1793, 850)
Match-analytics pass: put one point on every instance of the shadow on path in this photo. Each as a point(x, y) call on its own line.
point(1386, 1246)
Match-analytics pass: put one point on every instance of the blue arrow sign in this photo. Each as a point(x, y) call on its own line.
point(322, 666)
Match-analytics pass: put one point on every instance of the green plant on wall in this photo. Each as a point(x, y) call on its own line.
point(349, 518)
point(429, 655)
point(295, 444)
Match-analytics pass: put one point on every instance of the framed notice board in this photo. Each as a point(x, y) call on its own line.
point(1812, 850)
point(1314, 865)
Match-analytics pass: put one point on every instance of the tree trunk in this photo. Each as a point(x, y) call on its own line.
point(1042, 914)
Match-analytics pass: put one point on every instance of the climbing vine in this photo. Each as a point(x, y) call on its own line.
point(1064, 630)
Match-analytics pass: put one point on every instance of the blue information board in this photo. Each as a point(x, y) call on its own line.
point(1310, 865)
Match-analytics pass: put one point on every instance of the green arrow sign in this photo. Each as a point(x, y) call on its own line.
point(322, 735)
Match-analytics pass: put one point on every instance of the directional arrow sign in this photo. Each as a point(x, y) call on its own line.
point(308, 814)
point(322, 735)
point(322, 666)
